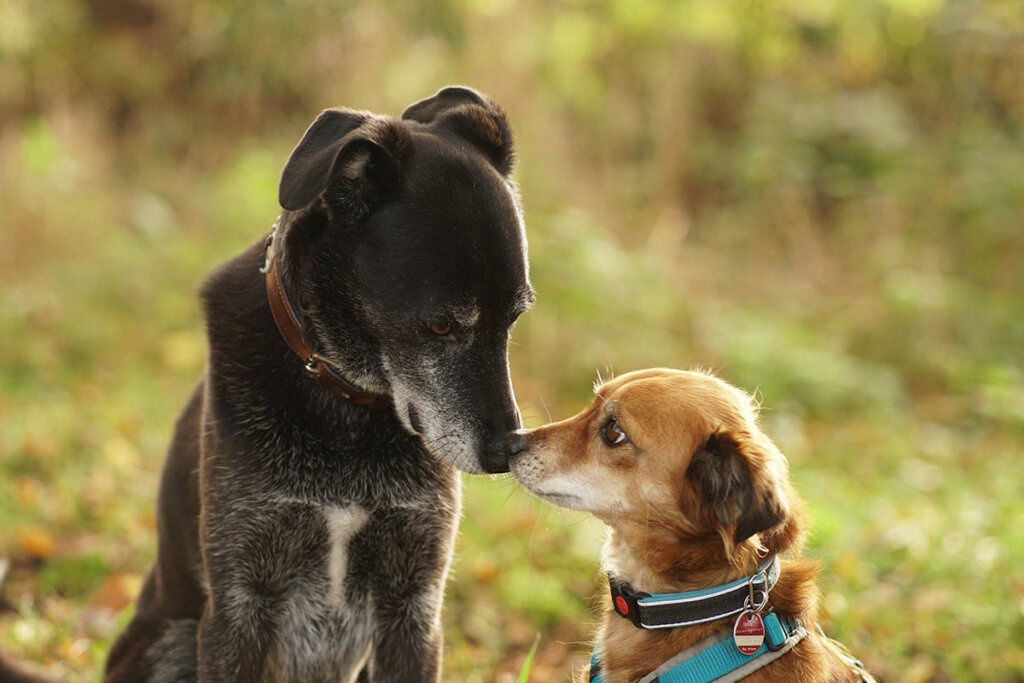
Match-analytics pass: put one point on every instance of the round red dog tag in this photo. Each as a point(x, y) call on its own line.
point(748, 633)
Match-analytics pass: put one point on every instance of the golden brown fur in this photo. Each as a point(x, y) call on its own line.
point(696, 495)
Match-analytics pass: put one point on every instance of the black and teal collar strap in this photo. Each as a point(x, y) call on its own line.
point(671, 610)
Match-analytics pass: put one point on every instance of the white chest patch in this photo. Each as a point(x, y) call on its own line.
point(342, 523)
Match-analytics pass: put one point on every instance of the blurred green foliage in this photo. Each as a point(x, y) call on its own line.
point(822, 201)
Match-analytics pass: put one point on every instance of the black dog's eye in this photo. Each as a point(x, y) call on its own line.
point(440, 328)
point(612, 433)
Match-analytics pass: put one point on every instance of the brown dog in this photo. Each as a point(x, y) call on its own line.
point(698, 503)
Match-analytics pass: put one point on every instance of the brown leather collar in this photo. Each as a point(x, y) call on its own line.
point(319, 368)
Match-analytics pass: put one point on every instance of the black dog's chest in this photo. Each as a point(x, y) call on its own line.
point(329, 574)
point(325, 617)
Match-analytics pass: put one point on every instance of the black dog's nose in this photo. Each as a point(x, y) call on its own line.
point(496, 448)
point(495, 457)
point(501, 450)
point(516, 443)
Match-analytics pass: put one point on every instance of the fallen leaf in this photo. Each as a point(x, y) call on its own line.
point(35, 542)
point(485, 570)
point(115, 593)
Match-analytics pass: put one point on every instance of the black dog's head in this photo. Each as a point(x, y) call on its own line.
point(403, 242)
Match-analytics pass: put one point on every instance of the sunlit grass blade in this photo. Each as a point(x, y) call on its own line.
point(524, 674)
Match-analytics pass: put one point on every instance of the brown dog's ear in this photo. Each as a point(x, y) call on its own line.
point(737, 487)
point(360, 151)
point(473, 118)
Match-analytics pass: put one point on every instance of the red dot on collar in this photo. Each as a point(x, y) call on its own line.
point(621, 606)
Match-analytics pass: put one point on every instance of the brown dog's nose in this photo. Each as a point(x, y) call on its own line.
point(516, 442)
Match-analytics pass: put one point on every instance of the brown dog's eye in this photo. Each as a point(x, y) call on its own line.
point(440, 328)
point(612, 433)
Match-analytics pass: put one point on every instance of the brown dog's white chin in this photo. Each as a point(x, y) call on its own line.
point(562, 500)
point(553, 489)
point(526, 476)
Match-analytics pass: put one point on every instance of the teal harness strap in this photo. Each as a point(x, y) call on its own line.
point(595, 668)
point(718, 659)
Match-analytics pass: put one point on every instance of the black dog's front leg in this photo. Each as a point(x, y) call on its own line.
point(249, 560)
point(406, 648)
point(408, 593)
point(229, 652)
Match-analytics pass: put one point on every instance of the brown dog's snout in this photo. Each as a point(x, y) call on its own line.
point(516, 442)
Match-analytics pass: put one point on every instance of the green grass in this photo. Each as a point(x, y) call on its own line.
point(524, 674)
point(821, 202)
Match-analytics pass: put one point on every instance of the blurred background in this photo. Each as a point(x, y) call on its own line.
point(822, 201)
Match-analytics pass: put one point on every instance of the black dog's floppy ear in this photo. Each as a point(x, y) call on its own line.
point(358, 148)
point(428, 109)
point(472, 117)
point(307, 172)
point(737, 486)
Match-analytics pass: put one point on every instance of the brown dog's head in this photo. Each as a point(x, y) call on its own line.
point(673, 459)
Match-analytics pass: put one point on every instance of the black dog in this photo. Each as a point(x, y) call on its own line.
point(358, 356)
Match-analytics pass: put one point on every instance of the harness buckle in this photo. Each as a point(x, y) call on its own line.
point(625, 600)
point(778, 629)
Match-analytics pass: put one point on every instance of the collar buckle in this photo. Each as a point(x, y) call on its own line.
point(625, 600)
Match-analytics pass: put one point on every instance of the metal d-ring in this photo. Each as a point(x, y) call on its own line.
point(749, 603)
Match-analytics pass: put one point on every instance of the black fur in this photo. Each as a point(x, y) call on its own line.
point(463, 112)
point(295, 529)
